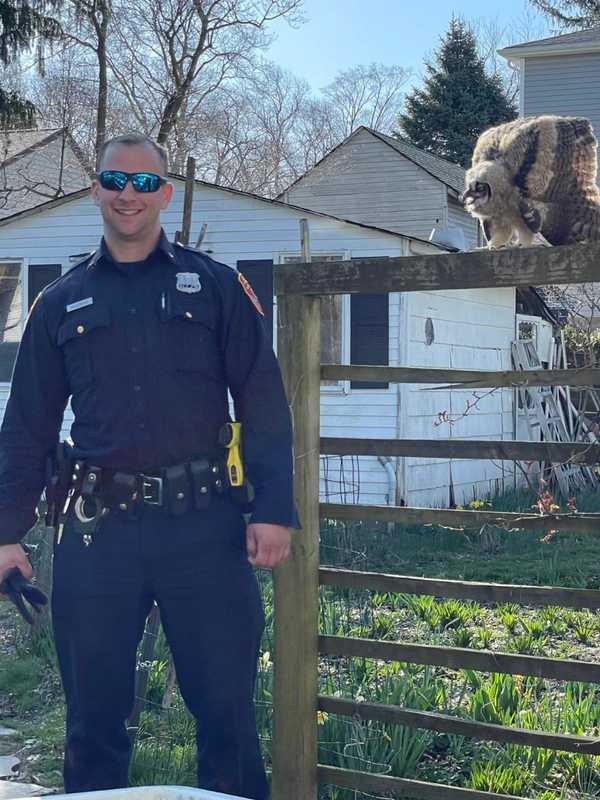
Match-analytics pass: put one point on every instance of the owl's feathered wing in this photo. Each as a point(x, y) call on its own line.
point(553, 164)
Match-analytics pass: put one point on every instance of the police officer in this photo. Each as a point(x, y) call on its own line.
point(147, 338)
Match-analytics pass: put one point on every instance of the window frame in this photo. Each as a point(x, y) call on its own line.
point(26, 264)
point(340, 387)
point(24, 267)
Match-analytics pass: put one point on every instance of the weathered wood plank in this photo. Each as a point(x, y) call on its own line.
point(554, 452)
point(188, 199)
point(534, 266)
point(458, 519)
point(461, 658)
point(445, 723)
point(402, 787)
point(462, 590)
point(462, 378)
point(296, 581)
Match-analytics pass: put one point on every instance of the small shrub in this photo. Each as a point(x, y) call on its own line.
point(463, 637)
point(584, 627)
point(527, 644)
point(494, 700)
point(534, 628)
point(508, 615)
point(497, 777)
point(484, 638)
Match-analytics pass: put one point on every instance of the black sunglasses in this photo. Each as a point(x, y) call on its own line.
point(115, 181)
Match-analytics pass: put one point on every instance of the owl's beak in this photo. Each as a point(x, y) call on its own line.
point(477, 194)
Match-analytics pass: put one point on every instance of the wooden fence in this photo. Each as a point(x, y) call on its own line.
point(296, 772)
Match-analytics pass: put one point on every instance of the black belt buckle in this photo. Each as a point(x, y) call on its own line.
point(152, 490)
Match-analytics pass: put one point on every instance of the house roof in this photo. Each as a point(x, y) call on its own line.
point(72, 196)
point(452, 175)
point(15, 144)
point(586, 41)
point(18, 141)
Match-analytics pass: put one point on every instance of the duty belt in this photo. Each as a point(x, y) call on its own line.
point(176, 489)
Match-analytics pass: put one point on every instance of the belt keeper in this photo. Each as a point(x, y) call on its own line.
point(178, 489)
point(201, 482)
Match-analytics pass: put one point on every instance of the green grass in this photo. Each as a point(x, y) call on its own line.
point(518, 556)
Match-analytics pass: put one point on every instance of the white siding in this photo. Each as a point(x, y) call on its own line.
point(472, 329)
point(568, 85)
point(366, 180)
point(458, 218)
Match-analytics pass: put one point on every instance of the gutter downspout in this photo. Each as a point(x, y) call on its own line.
point(388, 465)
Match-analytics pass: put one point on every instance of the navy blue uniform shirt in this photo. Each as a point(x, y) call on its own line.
point(147, 365)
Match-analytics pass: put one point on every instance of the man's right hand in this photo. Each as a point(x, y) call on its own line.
point(13, 555)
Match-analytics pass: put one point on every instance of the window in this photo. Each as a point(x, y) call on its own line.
point(19, 286)
point(334, 312)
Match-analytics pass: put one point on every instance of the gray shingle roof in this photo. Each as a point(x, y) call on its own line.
point(578, 39)
point(14, 142)
point(452, 175)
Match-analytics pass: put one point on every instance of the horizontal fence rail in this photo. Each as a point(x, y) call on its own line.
point(402, 787)
point(445, 723)
point(507, 450)
point(461, 590)
point(462, 378)
point(461, 658)
point(459, 519)
point(481, 269)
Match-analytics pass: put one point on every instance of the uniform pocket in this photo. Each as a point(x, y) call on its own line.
point(79, 336)
point(190, 332)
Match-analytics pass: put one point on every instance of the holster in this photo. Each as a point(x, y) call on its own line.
point(59, 468)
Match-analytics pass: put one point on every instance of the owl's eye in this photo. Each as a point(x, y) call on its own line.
point(480, 187)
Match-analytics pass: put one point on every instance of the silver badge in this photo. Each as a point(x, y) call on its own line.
point(188, 282)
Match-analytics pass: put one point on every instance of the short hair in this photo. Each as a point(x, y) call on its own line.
point(132, 139)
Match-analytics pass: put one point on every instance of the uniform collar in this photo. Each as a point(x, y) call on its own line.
point(103, 254)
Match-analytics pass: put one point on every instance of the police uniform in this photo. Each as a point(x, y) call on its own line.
point(147, 351)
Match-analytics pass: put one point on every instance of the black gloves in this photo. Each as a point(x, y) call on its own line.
point(18, 590)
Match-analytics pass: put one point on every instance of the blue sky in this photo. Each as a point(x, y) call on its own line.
point(342, 33)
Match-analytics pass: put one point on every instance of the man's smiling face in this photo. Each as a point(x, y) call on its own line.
point(131, 216)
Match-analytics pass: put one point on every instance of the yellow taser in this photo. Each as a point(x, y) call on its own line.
point(231, 438)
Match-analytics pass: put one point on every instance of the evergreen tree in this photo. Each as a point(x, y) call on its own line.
point(571, 14)
point(22, 24)
point(458, 101)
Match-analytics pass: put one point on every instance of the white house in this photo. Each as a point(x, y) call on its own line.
point(439, 329)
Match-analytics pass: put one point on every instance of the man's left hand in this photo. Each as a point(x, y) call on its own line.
point(267, 545)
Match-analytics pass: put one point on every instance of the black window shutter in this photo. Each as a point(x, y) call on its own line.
point(260, 277)
point(40, 275)
point(369, 334)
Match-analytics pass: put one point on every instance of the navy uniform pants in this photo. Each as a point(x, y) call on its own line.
point(195, 568)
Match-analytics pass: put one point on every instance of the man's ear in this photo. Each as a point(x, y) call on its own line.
point(94, 192)
point(168, 190)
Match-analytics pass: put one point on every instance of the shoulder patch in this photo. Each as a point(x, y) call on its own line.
point(251, 294)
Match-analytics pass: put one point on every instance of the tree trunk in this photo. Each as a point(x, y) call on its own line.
point(102, 81)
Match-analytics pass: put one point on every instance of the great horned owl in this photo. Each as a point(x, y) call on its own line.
point(536, 176)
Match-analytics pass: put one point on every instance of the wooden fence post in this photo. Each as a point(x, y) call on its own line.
point(296, 583)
